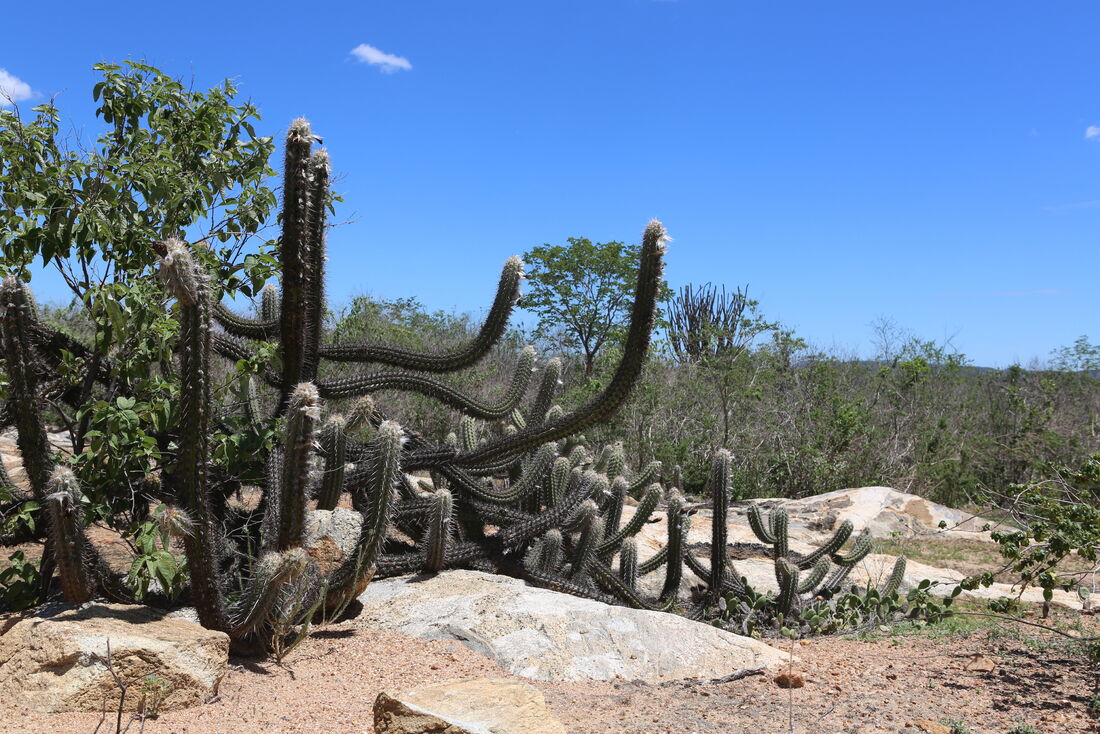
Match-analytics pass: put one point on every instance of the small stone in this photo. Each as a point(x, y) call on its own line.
point(790, 679)
point(497, 705)
point(981, 664)
point(932, 727)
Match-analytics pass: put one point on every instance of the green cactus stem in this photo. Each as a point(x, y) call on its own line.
point(269, 304)
point(17, 311)
point(760, 528)
point(897, 576)
point(286, 517)
point(591, 533)
point(294, 256)
point(67, 536)
point(439, 531)
point(436, 389)
point(635, 351)
point(677, 532)
point(334, 444)
point(469, 354)
point(787, 574)
point(720, 502)
point(544, 397)
point(190, 475)
point(641, 516)
point(628, 563)
point(314, 297)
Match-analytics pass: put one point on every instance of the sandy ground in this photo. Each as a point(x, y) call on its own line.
point(329, 684)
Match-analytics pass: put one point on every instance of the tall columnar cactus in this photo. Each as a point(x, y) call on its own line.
point(334, 443)
point(17, 323)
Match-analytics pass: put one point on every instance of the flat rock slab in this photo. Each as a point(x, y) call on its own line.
point(479, 706)
point(57, 661)
point(881, 511)
point(546, 635)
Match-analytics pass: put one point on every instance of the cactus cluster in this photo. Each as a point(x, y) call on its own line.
point(810, 586)
point(513, 492)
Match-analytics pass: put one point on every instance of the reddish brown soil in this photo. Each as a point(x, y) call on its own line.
point(884, 685)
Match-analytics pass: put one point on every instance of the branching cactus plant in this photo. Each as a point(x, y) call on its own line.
point(516, 492)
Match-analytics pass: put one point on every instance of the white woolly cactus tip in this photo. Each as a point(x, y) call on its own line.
point(62, 479)
point(179, 273)
point(175, 522)
point(515, 263)
point(294, 563)
point(391, 430)
point(299, 128)
point(656, 233)
point(305, 400)
point(320, 161)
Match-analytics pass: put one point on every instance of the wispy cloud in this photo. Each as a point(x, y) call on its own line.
point(388, 63)
point(1092, 132)
point(13, 89)
point(1004, 294)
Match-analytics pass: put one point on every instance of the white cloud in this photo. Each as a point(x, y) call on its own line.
point(389, 63)
point(13, 89)
point(1092, 132)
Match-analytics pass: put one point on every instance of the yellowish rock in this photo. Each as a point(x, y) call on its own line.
point(479, 706)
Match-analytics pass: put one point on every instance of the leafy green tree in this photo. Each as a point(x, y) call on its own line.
point(1081, 356)
point(170, 161)
point(582, 293)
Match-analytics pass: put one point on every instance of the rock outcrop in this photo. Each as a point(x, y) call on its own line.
point(57, 661)
point(545, 635)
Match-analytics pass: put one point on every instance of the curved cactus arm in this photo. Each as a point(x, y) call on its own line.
point(439, 531)
point(384, 468)
point(815, 577)
point(635, 351)
point(436, 389)
point(591, 534)
point(613, 512)
point(518, 490)
point(831, 546)
point(858, 552)
point(552, 554)
point(334, 444)
point(67, 536)
point(674, 566)
point(654, 562)
point(787, 576)
point(731, 582)
point(554, 582)
point(17, 311)
point(610, 582)
point(897, 576)
point(246, 328)
point(641, 516)
point(544, 396)
point(760, 528)
point(187, 282)
point(836, 578)
point(491, 331)
point(649, 474)
point(234, 350)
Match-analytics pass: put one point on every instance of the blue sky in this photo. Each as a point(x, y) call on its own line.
point(929, 162)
